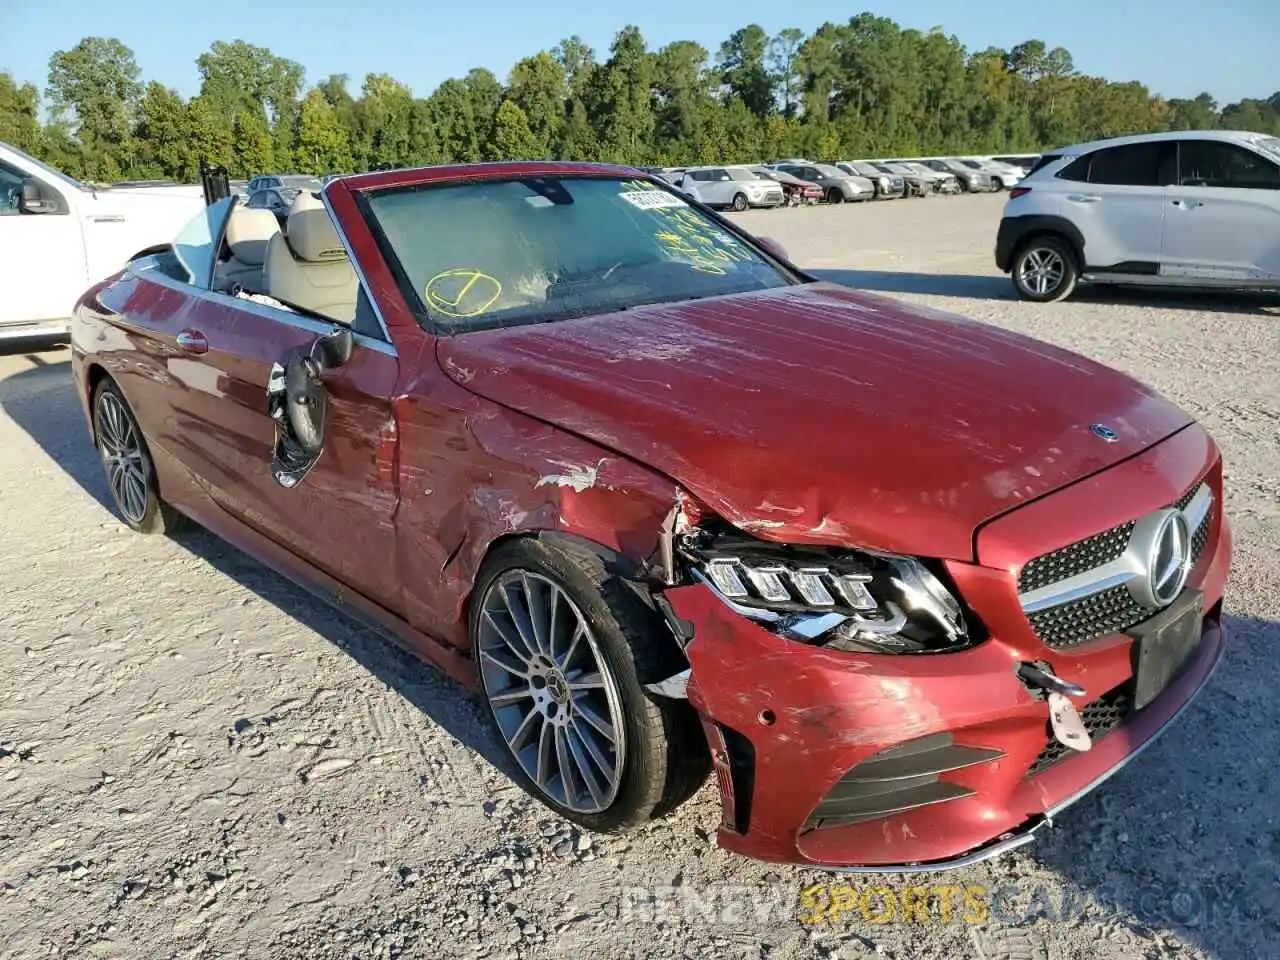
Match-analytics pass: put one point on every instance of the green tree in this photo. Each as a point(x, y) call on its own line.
point(164, 132)
point(512, 137)
point(784, 65)
point(19, 114)
point(322, 146)
point(621, 100)
point(743, 69)
point(537, 87)
point(252, 151)
point(97, 80)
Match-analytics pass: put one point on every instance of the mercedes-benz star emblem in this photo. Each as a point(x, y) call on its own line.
point(1103, 432)
point(1170, 559)
point(1161, 548)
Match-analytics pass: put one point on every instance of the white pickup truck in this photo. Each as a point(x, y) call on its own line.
point(58, 236)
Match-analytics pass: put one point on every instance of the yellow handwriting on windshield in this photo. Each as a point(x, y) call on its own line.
point(462, 292)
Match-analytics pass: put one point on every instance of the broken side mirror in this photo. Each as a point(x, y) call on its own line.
point(774, 247)
point(334, 348)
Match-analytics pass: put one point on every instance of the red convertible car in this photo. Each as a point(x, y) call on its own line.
point(908, 583)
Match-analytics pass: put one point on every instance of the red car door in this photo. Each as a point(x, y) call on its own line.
point(340, 517)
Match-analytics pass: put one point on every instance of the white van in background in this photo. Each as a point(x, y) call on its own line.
point(59, 236)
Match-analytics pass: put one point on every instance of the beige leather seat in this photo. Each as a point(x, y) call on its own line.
point(307, 266)
point(249, 232)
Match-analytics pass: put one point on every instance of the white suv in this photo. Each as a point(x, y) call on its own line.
point(1190, 208)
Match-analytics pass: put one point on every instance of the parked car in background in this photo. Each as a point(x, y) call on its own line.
point(795, 190)
point(1025, 161)
point(887, 186)
point(734, 187)
point(1188, 209)
point(837, 185)
point(917, 184)
point(1003, 175)
point(971, 180)
point(57, 236)
point(539, 422)
point(274, 181)
point(944, 181)
point(277, 199)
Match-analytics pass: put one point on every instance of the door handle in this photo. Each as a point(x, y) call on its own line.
point(1084, 198)
point(1187, 204)
point(193, 341)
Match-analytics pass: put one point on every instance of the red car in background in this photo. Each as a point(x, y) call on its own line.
point(910, 584)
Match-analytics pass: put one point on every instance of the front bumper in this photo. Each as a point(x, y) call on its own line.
point(790, 724)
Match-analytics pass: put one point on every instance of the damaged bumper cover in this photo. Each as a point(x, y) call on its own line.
point(881, 762)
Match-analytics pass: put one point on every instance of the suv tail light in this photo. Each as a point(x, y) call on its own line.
point(1016, 192)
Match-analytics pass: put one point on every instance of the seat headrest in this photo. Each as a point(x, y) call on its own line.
point(248, 231)
point(310, 231)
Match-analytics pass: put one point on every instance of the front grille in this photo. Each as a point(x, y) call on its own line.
point(1078, 557)
point(1108, 611)
point(1100, 717)
point(1070, 624)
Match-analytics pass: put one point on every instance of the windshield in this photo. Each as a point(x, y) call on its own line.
point(740, 173)
point(496, 253)
point(829, 171)
point(69, 181)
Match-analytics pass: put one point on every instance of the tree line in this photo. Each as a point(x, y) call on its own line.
point(864, 88)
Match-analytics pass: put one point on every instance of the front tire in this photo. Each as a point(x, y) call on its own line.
point(835, 196)
point(739, 203)
point(131, 475)
point(1044, 270)
point(563, 650)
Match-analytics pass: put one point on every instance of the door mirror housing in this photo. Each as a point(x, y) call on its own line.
point(334, 348)
point(34, 199)
point(774, 247)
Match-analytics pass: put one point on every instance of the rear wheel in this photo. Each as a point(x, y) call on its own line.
point(1044, 270)
point(563, 651)
point(131, 476)
point(739, 202)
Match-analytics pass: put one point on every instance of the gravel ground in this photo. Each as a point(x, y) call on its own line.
point(198, 760)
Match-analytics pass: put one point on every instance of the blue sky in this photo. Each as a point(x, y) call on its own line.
point(1172, 45)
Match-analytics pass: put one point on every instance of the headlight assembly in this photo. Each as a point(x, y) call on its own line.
point(840, 599)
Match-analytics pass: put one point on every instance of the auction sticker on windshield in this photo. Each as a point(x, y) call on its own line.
point(651, 199)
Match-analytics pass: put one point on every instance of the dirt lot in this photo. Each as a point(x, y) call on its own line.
point(198, 760)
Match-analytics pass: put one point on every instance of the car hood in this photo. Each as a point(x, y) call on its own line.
point(819, 414)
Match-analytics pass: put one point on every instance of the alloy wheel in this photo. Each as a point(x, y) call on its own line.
point(121, 452)
point(1041, 271)
point(551, 691)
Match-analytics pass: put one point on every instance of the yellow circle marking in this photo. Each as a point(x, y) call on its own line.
point(462, 292)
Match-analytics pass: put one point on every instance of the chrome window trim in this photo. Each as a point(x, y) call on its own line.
point(1123, 570)
point(302, 322)
point(355, 264)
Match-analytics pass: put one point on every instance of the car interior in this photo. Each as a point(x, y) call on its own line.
point(302, 267)
point(307, 265)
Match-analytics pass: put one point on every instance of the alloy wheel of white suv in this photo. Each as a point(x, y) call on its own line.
point(1044, 270)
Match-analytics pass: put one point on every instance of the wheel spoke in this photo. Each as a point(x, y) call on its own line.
point(586, 681)
point(513, 694)
point(582, 766)
point(520, 618)
point(578, 633)
point(504, 659)
point(588, 741)
point(520, 737)
point(546, 757)
point(539, 614)
point(553, 621)
point(565, 764)
point(588, 713)
point(511, 641)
